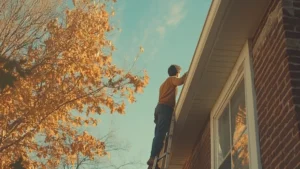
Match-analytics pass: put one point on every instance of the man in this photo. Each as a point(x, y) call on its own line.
point(164, 110)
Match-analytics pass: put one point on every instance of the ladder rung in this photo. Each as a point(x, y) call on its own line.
point(163, 156)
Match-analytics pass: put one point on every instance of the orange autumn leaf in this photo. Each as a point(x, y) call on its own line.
point(69, 69)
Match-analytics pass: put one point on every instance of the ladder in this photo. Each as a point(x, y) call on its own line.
point(167, 147)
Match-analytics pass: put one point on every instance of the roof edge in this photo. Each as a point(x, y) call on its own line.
point(213, 20)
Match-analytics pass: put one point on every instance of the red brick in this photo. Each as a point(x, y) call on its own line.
point(297, 149)
point(298, 118)
point(289, 147)
point(289, 155)
point(280, 165)
point(275, 142)
point(286, 118)
point(291, 20)
point(298, 165)
point(282, 83)
point(294, 67)
point(277, 84)
point(296, 129)
point(288, 12)
point(286, 95)
point(279, 118)
point(296, 91)
point(297, 28)
point(274, 105)
point(295, 82)
point(285, 92)
point(296, 100)
point(293, 163)
point(289, 27)
point(292, 35)
point(273, 47)
point(285, 73)
point(294, 59)
point(280, 147)
point(262, 110)
point(295, 75)
point(276, 159)
point(200, 157)
point(296, 4)
point(297, 13)
point(293, 52)
point(278, 69)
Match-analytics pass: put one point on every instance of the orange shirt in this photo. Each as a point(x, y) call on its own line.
point(168, 90)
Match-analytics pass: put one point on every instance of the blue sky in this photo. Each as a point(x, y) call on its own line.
point(169, 31)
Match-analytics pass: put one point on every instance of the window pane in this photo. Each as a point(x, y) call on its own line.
point(227, 163)
point(224, 135)
point(238, 113)
point(239, 137)
point(240, 155)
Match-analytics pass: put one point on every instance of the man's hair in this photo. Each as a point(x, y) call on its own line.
point(173, 70)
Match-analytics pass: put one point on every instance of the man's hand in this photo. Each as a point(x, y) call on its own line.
point(185, 76)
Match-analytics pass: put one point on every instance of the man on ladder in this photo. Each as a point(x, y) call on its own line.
point(164, 110)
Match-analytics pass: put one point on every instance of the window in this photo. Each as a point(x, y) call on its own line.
point(232, 133)
point(234, 128)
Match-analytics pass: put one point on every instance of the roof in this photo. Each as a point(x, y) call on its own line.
point(229, 24)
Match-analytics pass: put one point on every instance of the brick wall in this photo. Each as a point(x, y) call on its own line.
point(276, 63)
point(200, 157)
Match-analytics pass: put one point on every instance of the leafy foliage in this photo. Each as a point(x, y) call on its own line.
point(240, 149)
point(69, 67)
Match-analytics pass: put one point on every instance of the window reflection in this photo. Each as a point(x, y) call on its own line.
point(232, 132)
point(240, 154)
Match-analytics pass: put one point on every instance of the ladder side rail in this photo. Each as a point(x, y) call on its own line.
point(167, 147)
point(169, 143)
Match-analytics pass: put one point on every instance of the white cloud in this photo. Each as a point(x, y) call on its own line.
point(177, 13)
point(174, 15)
point(155, 27)
point(161, 30)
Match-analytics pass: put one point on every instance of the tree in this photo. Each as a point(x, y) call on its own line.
point(69, 68)
point(17, 164)
point(112, 146)
point(22, 24)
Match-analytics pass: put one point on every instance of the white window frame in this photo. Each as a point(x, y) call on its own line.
point(242, 70)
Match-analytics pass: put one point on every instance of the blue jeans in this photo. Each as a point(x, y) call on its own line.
point(164, 116)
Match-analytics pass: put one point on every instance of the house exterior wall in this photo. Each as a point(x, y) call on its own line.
point(276, 64)
point(200, 158)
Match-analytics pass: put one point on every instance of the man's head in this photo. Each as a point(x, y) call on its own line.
point(174, 70)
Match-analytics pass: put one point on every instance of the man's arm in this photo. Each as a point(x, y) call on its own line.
point(179, 81)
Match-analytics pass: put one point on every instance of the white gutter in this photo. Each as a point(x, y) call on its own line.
point(202, 52)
